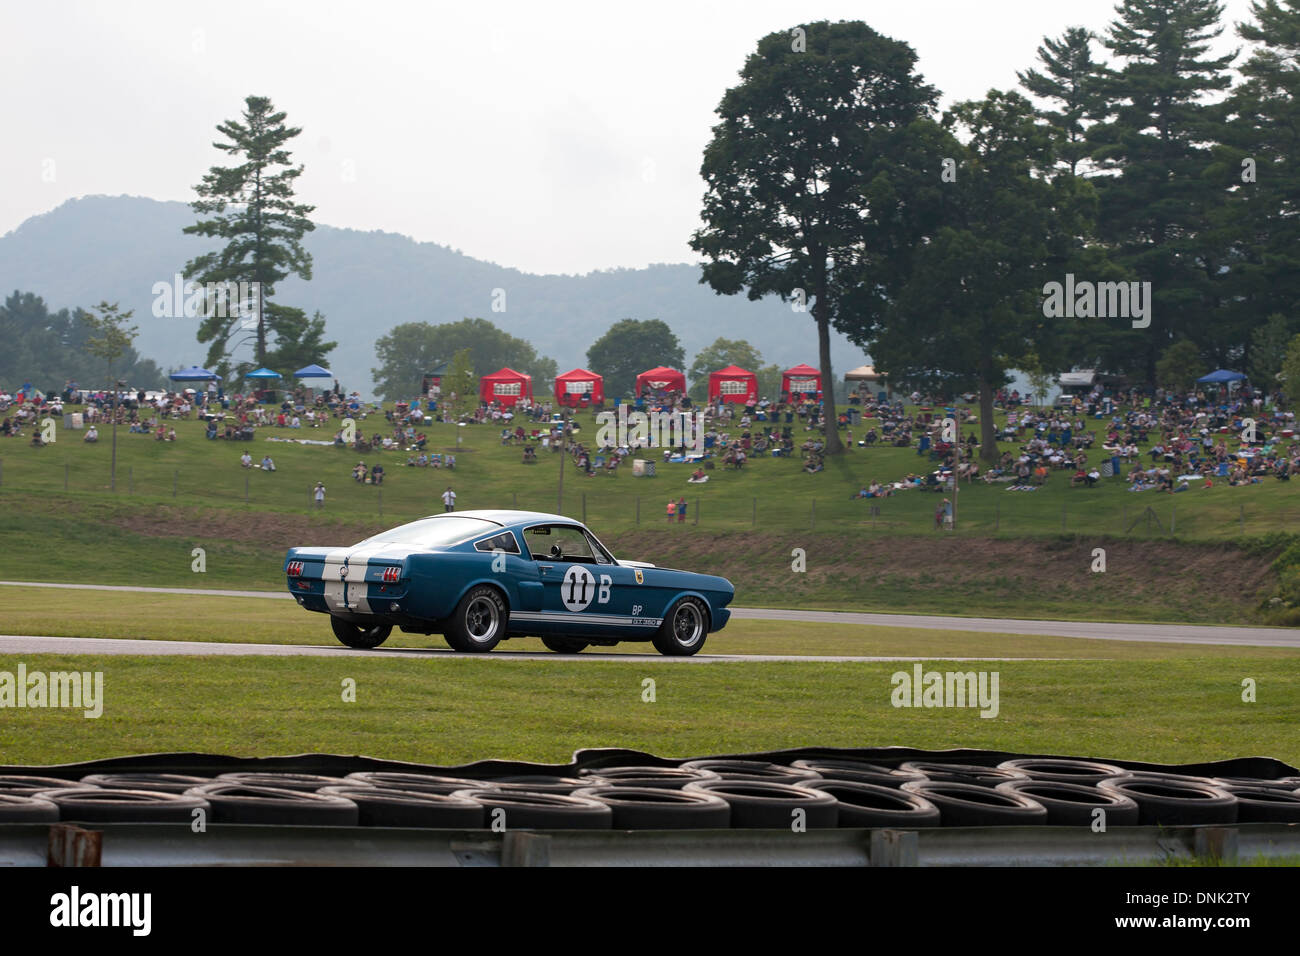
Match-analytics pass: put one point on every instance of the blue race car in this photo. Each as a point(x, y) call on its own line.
point(481, 577)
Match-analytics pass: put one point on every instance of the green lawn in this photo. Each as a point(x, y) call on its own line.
point(450, 711)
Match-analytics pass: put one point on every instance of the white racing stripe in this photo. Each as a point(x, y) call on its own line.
point(334, 588)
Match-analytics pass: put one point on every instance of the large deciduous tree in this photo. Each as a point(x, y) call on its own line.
point(800, 202)
point(630, 347)
point(251, 209)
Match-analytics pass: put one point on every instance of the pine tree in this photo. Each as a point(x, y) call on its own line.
point(253, 210)
point(1070, 80)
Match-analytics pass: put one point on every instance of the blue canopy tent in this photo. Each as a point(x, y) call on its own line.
point(263, 377)
point(313, 371)
point(193, 374)
point(262, 373)
point(1221, 376)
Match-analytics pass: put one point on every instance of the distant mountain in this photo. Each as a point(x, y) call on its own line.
point(115, 248)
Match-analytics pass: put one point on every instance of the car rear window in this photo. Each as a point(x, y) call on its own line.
point(434, 532)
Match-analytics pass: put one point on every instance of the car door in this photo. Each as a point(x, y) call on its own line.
point(584, 591)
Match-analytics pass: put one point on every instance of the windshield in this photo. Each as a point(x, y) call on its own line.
point(434, 532)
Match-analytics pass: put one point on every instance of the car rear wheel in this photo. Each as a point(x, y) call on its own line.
point(565, 645)
point(479, 621)
point(683, 630)
point(354, 635)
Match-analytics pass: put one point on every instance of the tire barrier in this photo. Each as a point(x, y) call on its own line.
point(15, 808)
point(662, 778)
point(234, 802)
point(164, 782)
point(661, 808)
point(1075, 804)
point(859, 772)
point(519, 810)
point(1265, 804)
point(896, 788)
point(869, 805)
point(378, 807)
point(768, 805)
point(97, 805)
point(1167, 801)
point(971, 805)
point(25, 783)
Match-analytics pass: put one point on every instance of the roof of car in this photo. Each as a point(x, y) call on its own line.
point(507, 517)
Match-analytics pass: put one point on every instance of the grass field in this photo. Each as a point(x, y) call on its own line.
point(456, 710)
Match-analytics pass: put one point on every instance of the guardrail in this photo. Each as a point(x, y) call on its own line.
point(226, 845)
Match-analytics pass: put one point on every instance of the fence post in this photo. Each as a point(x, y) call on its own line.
point(638, 509)
point(697, 511)
point(381, 502)
point(1062, 515)
point(1173, 521)
point(130, 480)
point(176, 473)
point(753, 521)
point(245, 488)
point(997, 515)
point(584, 507)
point(813, 525)
point(65, 476)
point(1243, 519)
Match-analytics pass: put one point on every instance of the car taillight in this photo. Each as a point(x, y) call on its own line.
point(294, 569)
point(392, 575)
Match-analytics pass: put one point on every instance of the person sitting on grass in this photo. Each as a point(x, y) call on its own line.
point(377, 474)
point(92, 434)
point(267, 463)
point(246, 460)
point(359, 471)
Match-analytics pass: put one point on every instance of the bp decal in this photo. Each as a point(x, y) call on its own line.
point(578, 589)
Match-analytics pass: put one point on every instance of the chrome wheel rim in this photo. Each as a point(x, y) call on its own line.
point(481, 619)
point(688, 625)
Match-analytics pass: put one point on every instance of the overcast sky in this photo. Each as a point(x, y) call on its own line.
point(551, 137)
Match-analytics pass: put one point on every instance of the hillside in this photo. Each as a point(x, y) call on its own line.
point(116, 247)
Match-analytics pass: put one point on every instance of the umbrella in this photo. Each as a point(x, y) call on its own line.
point(193, 374)
point(1222, 375)
point(262, 373)
point(313, 371)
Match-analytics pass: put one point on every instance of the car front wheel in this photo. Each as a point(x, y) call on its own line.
point(683, 630)
point(479, 621)
point(354, 635)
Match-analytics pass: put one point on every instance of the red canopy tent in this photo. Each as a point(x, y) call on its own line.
point(655, 379)
point(505, 386)
point(579, 387)
point(802, 380)
point(733, 384)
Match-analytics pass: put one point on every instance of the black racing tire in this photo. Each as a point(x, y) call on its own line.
point(869, 805)
point(541, 811)
point(380, 807)
point(971, 805)
point(1073, 804)
point(1163, 801)
point(684, 628)
point(1062, 770)
point(752, 770)
point(234, 802)
point(565, 645)
point(16, 808)
point(969, 773)
point(416, 782)
point(356, 636)
point(98, 805)
point(305, 782)
point(164, 782)
point(858, 771)
point(658, 808)
point(1167, 775)
point(21, 784)
point(537, 783)
point(661, 778)
point(1265, 804)
point(768, 805)
point(479, 622)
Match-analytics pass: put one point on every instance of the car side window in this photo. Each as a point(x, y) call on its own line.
point(505, 541)
point(559, 543)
